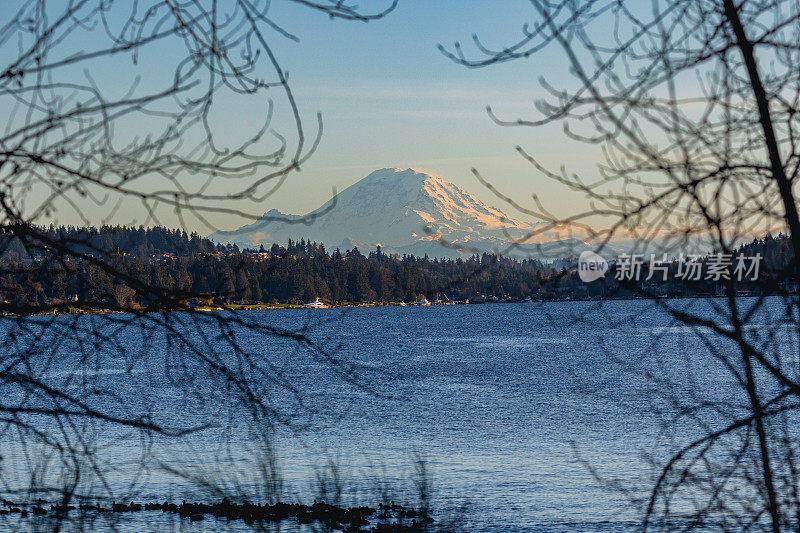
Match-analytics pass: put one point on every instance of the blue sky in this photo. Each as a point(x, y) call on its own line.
point(390, 98)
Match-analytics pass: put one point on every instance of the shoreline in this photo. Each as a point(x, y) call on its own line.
point(289, 306)
point(385, 517)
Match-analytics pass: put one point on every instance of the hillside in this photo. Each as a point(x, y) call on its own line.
point(405, 211)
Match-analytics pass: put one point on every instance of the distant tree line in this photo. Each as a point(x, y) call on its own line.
point(203, 271)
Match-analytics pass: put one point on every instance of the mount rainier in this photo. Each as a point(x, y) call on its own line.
point(404, 211)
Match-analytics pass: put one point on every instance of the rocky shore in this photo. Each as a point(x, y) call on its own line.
point(386, 518)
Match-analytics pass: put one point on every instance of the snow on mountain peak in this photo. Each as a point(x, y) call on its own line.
point(453, 202)
point(407, 209)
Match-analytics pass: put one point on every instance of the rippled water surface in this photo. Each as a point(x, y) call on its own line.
point(512, 406)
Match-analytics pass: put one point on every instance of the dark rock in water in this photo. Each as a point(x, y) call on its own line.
point(118, 507)
point(62, 509)
point(347, 519)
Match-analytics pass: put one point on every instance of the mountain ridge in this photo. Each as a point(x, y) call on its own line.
point(406, 210)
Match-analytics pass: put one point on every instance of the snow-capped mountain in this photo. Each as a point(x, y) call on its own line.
point(404, 211)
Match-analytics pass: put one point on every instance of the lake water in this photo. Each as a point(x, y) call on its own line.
point(511, 406)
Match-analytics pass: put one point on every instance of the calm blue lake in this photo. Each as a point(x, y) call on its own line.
point(523, 413)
